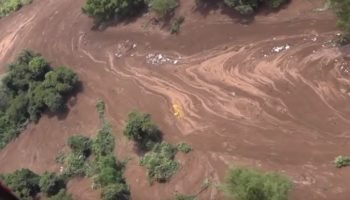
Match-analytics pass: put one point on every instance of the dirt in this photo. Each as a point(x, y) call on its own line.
point(234, 98)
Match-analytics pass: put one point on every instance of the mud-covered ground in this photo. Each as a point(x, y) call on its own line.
point(272, 94)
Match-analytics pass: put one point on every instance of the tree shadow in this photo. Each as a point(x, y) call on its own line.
point(141, 150)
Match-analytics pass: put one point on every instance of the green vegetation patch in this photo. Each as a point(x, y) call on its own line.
point(30, 87)
point(184, 197)
point(342, 161)
point(141, 129)
point(162, 7)
point(105, 10)
point(160, 162)
point(95, 158)
point(27, 184)
point(249, 184)
point(342, 10)
point(247, 7)
point(183, 147)
point(8, 6)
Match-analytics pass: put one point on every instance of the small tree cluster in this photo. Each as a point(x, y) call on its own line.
point(104, 10)
point(162, 7)
point(247, 7)
point(160, 162)
point(342, 161)
point(248, 184)
point(141, 129)
point(30, 87)
point(8, 6)
point(342, 10)
point(27, 184)
point(95, 158)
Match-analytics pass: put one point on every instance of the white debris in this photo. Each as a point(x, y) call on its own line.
point(280, 48)
point(233, 93)
point(338, 34)
point(157, 59)
point(134, 46)
point(314, 39)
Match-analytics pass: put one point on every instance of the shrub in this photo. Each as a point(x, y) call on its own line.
point(100, 107)
point(103, 144)
point(342, 161)
point(24, 183)
point(183, 147)
point(104, 10)
point(74, 165)
point(80, 145)
point(51, 184)
point(30, 87)
point(141, 129)
point(184, 197)
point(8, 6)
point(109, 171)
point(162, 7)
point(248, 184)
point(247, 7)
point(160, 162)
point(175, 25)
point(342, 10)
point(116, 191)
point(61, 195)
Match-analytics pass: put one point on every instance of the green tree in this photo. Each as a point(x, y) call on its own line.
point(80, 144)
point(140, 128)
point(342, 10)
point(116, 191)
point(248, 184)
point(162, 7)
point(104, 10)
point(51, 184)
point(23, 182)
point(61, 195)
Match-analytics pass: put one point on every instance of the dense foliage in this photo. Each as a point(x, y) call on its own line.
point(8, 6)
point(142, 130)
point(249, 6)
point(183, 147)
point(160, 162)
point(342, 10)
point(342, 161)
point(162, 7)
point(248, 184)
point(29, 87)
point(51, 184)
point(104, 10)
point(95, 158)
point(24, 183)
point(61, 195)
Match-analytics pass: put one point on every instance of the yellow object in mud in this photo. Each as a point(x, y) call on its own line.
point(177, 110)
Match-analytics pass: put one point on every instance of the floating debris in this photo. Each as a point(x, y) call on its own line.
point(280, 48)
point(157, 59)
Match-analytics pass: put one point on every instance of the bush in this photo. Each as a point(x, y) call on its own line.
point(30, 87)
point(342, 161)
point(8, 6)
point(183, 147)
point(142, 130)
point(24, 183)
point(115, 191)
point(61, 195)
point(175, 26)
point(160, 162)
point(184, 197)
point(74, 165)
point(104, 10)
point(109, 171)
point(103, 144)
point(80, 145)
point(162, 7)
point(342, 10)
point(247, 7)
point(248, 184)
point(51, 184)
point(100, 107)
